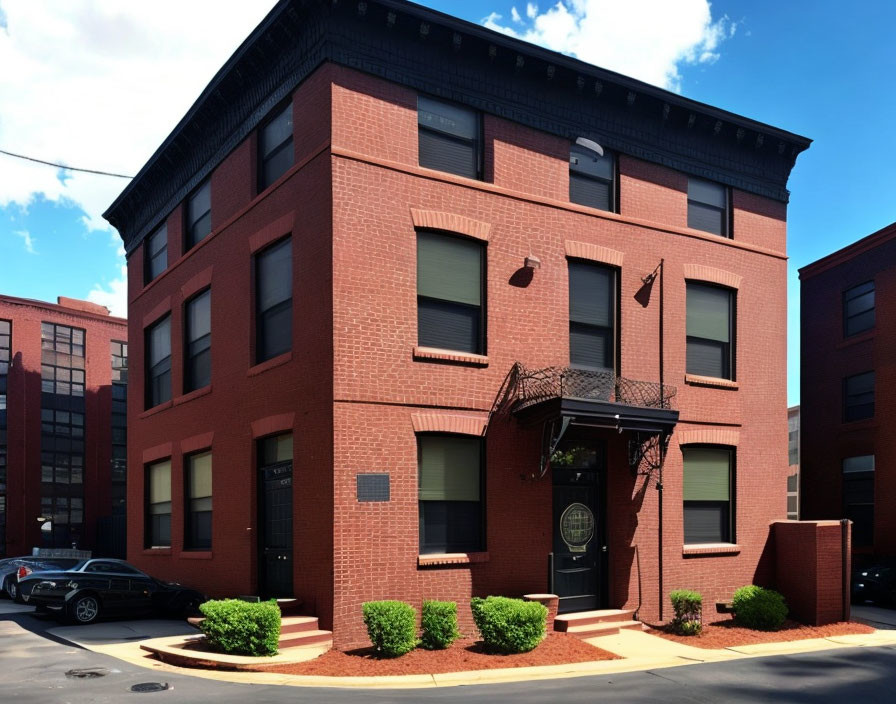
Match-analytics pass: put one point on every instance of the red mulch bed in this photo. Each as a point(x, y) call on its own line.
point(725, 634)
point(465, 654)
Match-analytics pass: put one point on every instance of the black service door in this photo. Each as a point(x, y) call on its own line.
point(276, 520)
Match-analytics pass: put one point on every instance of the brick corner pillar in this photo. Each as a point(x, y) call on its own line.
point(551, 602)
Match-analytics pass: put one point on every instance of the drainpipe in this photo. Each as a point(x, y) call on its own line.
point(844, 567)
point(661, 439)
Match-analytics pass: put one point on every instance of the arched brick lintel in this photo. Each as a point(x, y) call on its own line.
point(700, 272)
point(709, 436)
point(450, 222)
point(449, 423)
point(593, 252)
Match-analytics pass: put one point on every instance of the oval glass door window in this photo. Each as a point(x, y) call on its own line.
point(577, 526)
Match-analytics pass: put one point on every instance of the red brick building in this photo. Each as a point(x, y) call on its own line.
point(63, 391)
point(483, 319)
point(847, 417)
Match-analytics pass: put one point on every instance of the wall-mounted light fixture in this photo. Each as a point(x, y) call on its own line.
point(590, 144)
point(532, 262)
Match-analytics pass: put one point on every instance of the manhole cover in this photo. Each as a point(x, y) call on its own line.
point(87, 673)
point(151, 687)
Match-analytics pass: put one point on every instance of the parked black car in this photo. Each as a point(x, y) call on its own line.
point(12, 569)
point(106, 587)
point(876, 584)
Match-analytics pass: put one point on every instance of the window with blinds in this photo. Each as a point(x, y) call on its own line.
point(275, 150)
point(199, 214)
point(273, 301)
point(450, 293)
point(858, 498)
point(448, 138)
point(858, 309)
point(450, 493)
point(708, 206)
point(158, 362)
point(592, 178)
point(708, 495)
point(592, 315)
point(158, 505)
point(198, 504)
point(710, 331)
point(858, 397)
point(156, 249)
point(198, 342)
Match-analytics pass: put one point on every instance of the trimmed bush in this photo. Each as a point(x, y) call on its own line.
point(688, 607)
point(392, 627)
point(758, 608)
point(240, 627)
point(509, 625)
point(439, 622)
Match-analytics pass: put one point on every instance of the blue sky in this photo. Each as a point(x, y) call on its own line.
point(817, 68)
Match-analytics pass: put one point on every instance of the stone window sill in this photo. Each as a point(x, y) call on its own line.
point(705, 549)
point(157, 551)
point(864, 336)
point(451, 558)
point(435, 354)
point(204, 391)
point(697, 380)
point(277, 361)
point(157, 409)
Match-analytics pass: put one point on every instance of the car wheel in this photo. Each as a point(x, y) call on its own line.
point(12, 589)
point(190, 607)
point(84, 609)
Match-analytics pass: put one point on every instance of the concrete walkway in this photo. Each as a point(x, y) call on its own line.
point(875, 616)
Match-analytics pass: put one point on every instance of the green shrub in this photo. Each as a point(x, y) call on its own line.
point(758, 608)
point(241, 628)
point(439, 622)
point(509, 625)
point(392, 627)
point(688, 607)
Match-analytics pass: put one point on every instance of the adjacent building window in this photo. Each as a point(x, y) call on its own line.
point(198, 519)
point(156, 248)
point(708, 495)
point(198, 342)
point(592, 178)
point(158, 362)
point(448, 138)
point(708, 206)
point(858, 397)
point(592, 315)
point(858, 498)
point(275, 151)
point(158, 505)
point(5, 345)
point(199, 214)
point(450, 493)
point(450, 293)
point(710, 331)
point(858, 309)
point(273, 301)
point(119, 467)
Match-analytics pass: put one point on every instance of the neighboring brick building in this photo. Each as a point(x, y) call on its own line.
point(793, 463)
point(62, 426)
point(431, 251)
point(848, 327)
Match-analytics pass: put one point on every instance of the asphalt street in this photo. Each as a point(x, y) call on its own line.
point(33, 667)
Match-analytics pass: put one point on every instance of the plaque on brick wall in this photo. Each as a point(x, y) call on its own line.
point(373, 487)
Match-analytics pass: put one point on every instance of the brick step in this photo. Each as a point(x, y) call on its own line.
point(297, 624)
point(609, 628)
point(304, 639)
point(564, 622)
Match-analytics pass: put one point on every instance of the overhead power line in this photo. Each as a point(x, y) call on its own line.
point(63, 166)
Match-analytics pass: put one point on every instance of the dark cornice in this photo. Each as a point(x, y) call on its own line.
point(435, 53)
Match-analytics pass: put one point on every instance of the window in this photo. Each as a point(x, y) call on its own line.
point(199, 214)
point(158, 367)
point(450, 493)
point(592, 178)
point(5, 345)
point(119, 427)
point(858, 498)
point(858, 309)
point(858, 397)
point(273, 301)
point(708, 206)
point(448, 138)
point(708, 495)
point(275, 152)
point(158, 505)
point(450, 292)
point(198, 338)
point(592, 315)
point(156, 247)
point(710, 331)
point(198, 523)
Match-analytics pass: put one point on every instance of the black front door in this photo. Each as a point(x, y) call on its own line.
point(578, 542)
point(276, 519)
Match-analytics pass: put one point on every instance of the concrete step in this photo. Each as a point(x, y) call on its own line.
point(564, 622)
point(297, 624)
point(303, 639)
point(609, 628)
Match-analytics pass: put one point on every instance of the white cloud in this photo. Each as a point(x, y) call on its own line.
point(27, 239)
point(515, 15)
point(113, 295)
point(99, 84)
point(645, 39)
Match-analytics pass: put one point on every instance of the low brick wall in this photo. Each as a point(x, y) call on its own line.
point(811, 571)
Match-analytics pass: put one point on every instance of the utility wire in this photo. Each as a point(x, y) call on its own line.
point(62, 166)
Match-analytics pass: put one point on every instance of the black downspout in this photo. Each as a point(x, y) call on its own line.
point(661, 440)
point(844, 568)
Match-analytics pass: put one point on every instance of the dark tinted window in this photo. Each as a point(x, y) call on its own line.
point(858, 498)
point(592, 178)
point(710, 331)
point(199, 214)
point(708, 206)
point(158, 362)
point(592, 315)
point(198, 529)
point(275, 151)
point(708, 494)
point(198, 342)
point(158, 504)
point(450, 293)
point(273, 301)
point(156, 246)
point(448, 137)
point(858, 396)
point(858, 309)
